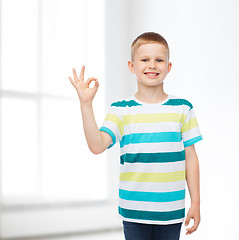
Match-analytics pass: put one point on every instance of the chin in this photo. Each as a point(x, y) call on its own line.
point(150, 82)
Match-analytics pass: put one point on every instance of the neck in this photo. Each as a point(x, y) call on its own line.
point(151, 94)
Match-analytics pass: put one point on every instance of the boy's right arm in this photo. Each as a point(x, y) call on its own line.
point(97, 140)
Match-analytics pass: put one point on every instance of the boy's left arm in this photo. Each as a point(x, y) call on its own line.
point(192, 178)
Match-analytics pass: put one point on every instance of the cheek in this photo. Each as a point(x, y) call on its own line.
point(140, 72)
point(141, 69)
point(165, 69)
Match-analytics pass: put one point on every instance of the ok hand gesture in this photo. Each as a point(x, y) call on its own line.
point(85, 93)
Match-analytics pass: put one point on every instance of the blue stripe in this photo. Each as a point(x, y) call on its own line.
point(152, 196)
point(151, 138)
point(192, 141)
point(107, 130)
point(152, 215)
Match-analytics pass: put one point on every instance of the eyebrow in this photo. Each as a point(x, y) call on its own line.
point(148, 57)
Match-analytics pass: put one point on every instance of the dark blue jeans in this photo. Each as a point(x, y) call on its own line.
point(141, 231)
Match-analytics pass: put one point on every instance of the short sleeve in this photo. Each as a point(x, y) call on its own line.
point(190, 129)
point(113, 124)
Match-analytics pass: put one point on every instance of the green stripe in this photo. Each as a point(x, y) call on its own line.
point(177, 102)
point(173, 102)
point(124, 103)
point(153, 157)
point(154, 216)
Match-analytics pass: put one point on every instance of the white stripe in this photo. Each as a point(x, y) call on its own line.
point(191, 115)
point(192, 133)
point(182, 109)
point(153, 222)
point(115, 110)
point(152, 206)
point(114, 128)
point(152, 186)
point(152, 127)
point(152, 147)
point(153, 167)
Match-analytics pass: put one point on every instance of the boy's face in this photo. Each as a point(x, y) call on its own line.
point(150, 64)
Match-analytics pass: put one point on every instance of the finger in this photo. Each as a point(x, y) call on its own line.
point(81, 78)
point(196, 222)
point(75, 75)
point(191, 230)
point(72, 81)
point(96, 83)
point(89, 80)
point(195, 225)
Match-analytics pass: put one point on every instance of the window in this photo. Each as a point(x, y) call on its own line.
point(44, 154)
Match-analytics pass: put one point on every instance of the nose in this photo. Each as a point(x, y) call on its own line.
point(152, 65)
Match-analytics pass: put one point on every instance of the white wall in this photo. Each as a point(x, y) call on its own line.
point(49, 218)
point(117, 49)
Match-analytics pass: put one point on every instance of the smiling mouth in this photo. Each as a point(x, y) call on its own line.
point(153, 74)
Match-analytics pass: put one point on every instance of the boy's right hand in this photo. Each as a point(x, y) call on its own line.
point(85, 93)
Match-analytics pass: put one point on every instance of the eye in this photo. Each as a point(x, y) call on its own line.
point(159, 60)
point(144, 60)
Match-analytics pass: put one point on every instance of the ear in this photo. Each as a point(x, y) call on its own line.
point(169, 66)
point(131, 67)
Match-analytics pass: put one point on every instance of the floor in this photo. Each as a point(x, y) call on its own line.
point(110, 235)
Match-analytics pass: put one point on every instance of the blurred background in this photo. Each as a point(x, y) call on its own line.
point(50, 182)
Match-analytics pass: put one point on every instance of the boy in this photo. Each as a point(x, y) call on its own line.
point(157, 133)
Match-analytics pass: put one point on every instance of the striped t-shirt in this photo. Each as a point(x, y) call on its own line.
point(152, 139)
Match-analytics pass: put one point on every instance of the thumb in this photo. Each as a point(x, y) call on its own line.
point(96, 83)
point(187, 221)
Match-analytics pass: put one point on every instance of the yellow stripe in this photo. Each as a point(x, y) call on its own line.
point(153, 177)
point(189, 125)
point(153, 118)
point(115, 119)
